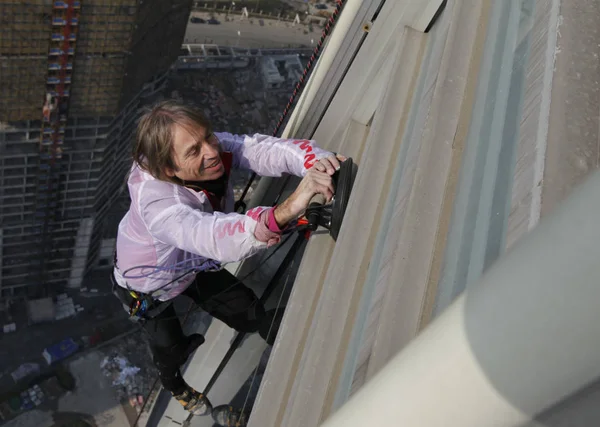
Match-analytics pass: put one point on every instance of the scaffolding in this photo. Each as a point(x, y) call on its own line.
point(73, 76)
point(102, 54)
point(92, 175)
point(23, 49)
point(55, 110)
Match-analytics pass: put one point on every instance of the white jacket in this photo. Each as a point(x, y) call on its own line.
point(169, 224)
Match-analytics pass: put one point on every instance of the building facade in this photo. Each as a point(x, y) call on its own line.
point(461, 289)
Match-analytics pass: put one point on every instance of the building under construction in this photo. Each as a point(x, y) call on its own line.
point(73, 74)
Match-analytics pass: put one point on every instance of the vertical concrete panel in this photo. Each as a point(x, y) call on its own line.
point(572, 151)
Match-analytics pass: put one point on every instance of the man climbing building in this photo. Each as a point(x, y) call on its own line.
point(180, 228)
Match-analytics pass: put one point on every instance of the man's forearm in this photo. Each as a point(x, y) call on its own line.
point(284, 214)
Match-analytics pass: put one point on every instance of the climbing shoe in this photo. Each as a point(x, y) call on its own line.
point(193, 401)
point(227, 416)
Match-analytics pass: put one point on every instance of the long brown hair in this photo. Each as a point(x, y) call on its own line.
point(153, 147)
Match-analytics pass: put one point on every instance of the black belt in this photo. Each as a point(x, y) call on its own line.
point(153, 306)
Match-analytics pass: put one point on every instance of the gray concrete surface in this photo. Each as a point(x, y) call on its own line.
point(94, 394)
point(274, 34)
point(241, 366)
point(32, 418)
point(573, 136)
point(103, 313)
point(94, 398)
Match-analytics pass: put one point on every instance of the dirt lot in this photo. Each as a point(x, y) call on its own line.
point(105, 394)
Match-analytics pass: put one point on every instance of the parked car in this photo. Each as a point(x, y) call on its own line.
point(321, 6)
point(196, 20)
point(213, 21)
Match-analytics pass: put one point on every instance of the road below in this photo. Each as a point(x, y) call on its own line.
point(274, 34)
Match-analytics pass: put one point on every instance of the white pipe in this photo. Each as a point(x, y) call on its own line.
point(323, 65)
point(522, 340)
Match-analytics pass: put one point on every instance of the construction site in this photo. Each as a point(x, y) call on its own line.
point(73, 75)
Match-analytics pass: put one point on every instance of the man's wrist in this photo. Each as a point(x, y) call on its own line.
point(272, 223)
point(283, 214)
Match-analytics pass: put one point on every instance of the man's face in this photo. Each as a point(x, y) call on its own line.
point(197, 155)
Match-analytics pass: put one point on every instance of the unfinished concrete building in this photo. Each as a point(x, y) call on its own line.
point(73, 76)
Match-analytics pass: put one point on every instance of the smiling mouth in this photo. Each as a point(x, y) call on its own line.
point(214, 165)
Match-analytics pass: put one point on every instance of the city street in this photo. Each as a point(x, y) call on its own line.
point(274, 34)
